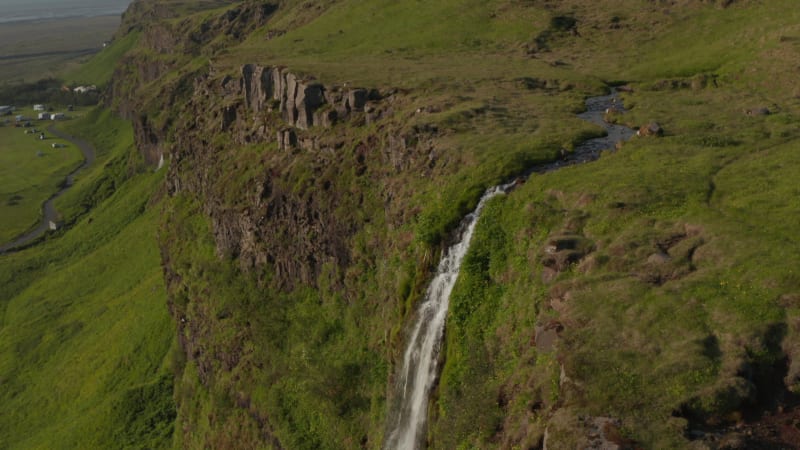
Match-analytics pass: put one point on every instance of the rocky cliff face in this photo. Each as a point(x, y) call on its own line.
point(296, 229)
point(165, 44)
point(291, 180)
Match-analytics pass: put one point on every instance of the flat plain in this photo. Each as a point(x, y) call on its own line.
point(30, 51)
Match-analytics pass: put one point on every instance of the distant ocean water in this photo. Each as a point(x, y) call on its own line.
point(28, 10)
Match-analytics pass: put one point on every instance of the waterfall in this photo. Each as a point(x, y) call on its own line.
point(160, 162)
point(407, 427)
point(407, 419)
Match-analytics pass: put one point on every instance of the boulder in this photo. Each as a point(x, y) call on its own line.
point(651, 129)
point(560, 243)
point(611, 114)
point(546, 335)
point(658, 258)
point(561, 252)
point(762, 111)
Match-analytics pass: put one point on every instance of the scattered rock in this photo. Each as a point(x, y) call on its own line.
point(791, 300)
point(559, 304)
point(732, 441)
point(588, 264)
point(611, 114)
point(563, 379)
point(755, 112)
point(669, 85)
point(605, 434)
point(546, 335)
point(651, 129)
point(658, 258)
point(548, 274)
point(560, 243)
point(563, 251)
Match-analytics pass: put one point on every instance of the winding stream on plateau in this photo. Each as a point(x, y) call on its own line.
point(407, 419)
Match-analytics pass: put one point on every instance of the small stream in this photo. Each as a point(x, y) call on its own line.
point(407, 423)
point(49, 212)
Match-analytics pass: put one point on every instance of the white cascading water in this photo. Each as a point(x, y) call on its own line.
point(407, 429)
point(408, 419)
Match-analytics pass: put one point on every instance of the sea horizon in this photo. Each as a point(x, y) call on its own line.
point(17, 11)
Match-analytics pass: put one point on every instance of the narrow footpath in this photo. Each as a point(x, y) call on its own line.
point(49, 209)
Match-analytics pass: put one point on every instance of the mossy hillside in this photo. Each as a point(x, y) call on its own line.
point(86, 333)
point(298, 358)
point(116, 160)
point(99, 69)
point(642, 338)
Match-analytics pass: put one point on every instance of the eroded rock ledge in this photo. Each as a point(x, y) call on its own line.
point(302, 102)
point(294, 209)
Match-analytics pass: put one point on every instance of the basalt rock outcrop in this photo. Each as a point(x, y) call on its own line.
point(294, 227)
point(301, 101)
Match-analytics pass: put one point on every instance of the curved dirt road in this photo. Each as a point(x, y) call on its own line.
point(49, 210)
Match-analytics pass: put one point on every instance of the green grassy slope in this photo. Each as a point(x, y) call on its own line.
point(100, 67)
point(85, 333)
point(642, 339)
point(701, 336)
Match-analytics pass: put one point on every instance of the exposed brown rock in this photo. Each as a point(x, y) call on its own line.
point(761, 111)
point(561, 252)
point(356, 99)
point(546, 335)
point(309, 99)
point(651, 129)
point(287, 139)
